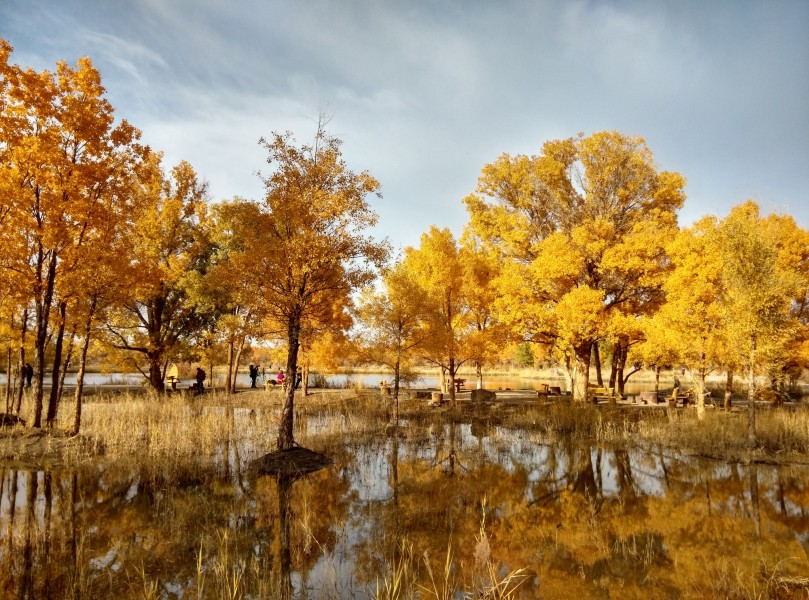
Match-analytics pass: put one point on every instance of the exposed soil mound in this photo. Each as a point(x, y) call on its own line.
point(295, 461)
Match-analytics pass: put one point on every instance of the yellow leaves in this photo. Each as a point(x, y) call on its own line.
point(594, 237)
point(559, 264)
point(580, 315)
point(588, 213)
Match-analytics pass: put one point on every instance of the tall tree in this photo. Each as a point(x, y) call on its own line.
point(694, 311)
point(437, 268)
point(392, 324)
point(760, 285)
point(168, 258)
point(62, 159)
point(488, 333)
point(582, 226)
point(315, 214)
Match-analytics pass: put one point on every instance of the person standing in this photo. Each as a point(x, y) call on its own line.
point(253, 375)
point(280, 378)
point(29, 374)
point(200, 380)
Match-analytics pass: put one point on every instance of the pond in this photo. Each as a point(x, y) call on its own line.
point(361, 380)
point(445, 509)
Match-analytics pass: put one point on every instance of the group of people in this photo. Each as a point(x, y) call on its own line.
point(279, 379)
point(201, 375)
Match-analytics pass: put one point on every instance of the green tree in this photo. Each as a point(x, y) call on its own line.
point(524, 356)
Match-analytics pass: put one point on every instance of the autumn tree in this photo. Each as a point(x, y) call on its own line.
point(488, 332)
point(314, 215)
point(231, 288)
point(760, 284)
point(169, 255)
point(63, 163)
point(391, 320)
point(581, 229)
point(693, 313)
point(437, 268)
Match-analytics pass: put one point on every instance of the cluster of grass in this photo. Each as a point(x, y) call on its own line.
point(782, 433)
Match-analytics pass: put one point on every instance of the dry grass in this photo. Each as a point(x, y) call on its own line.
point(783, 433)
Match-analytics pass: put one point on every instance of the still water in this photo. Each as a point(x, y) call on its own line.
point(451, 507)
point(360, 380)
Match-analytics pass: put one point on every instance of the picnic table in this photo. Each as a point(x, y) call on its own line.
point(458, 383)
point(596, 393)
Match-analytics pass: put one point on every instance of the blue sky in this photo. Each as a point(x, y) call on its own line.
point(423, 93)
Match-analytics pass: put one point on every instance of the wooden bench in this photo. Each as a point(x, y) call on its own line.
point(602, 393)
point(459, 383)
point(676, 395)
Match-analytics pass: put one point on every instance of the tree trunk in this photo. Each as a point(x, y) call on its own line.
point(597, 361)
point(452, 380)
point(285, 430)
point(396, 367)
point(616, 353)
point(22, 361)
point(229, 387)
point(699, 392)
point(657, 380)
point(752, 440)
point(618, 385)
point(53, 399)
point(728, 391)
point(479, 373)
point(8, 382)
point(237, 360)
point(82, 365)
point(65, 365)
point(43, 310)
point(581, 373)
point(156, 370)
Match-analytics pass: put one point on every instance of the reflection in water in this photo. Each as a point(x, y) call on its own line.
point(583, 520)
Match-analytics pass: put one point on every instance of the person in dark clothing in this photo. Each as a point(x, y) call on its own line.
point(253, 375)
point(200, 380)
point(29, 374)
point(298, 377)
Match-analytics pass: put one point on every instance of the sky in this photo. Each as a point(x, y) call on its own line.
point(424, 93)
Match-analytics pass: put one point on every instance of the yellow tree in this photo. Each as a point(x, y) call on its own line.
point(488, 333)
point(790, 354)
point(169, 254)
point(760, 283)
point(693, 312)
point(392, 324)
point(314, 216)
point(231, 285)
point(582, 227)
point(63, 159)
point(437, 268)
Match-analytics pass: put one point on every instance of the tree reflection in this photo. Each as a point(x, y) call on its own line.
point(585, 520)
